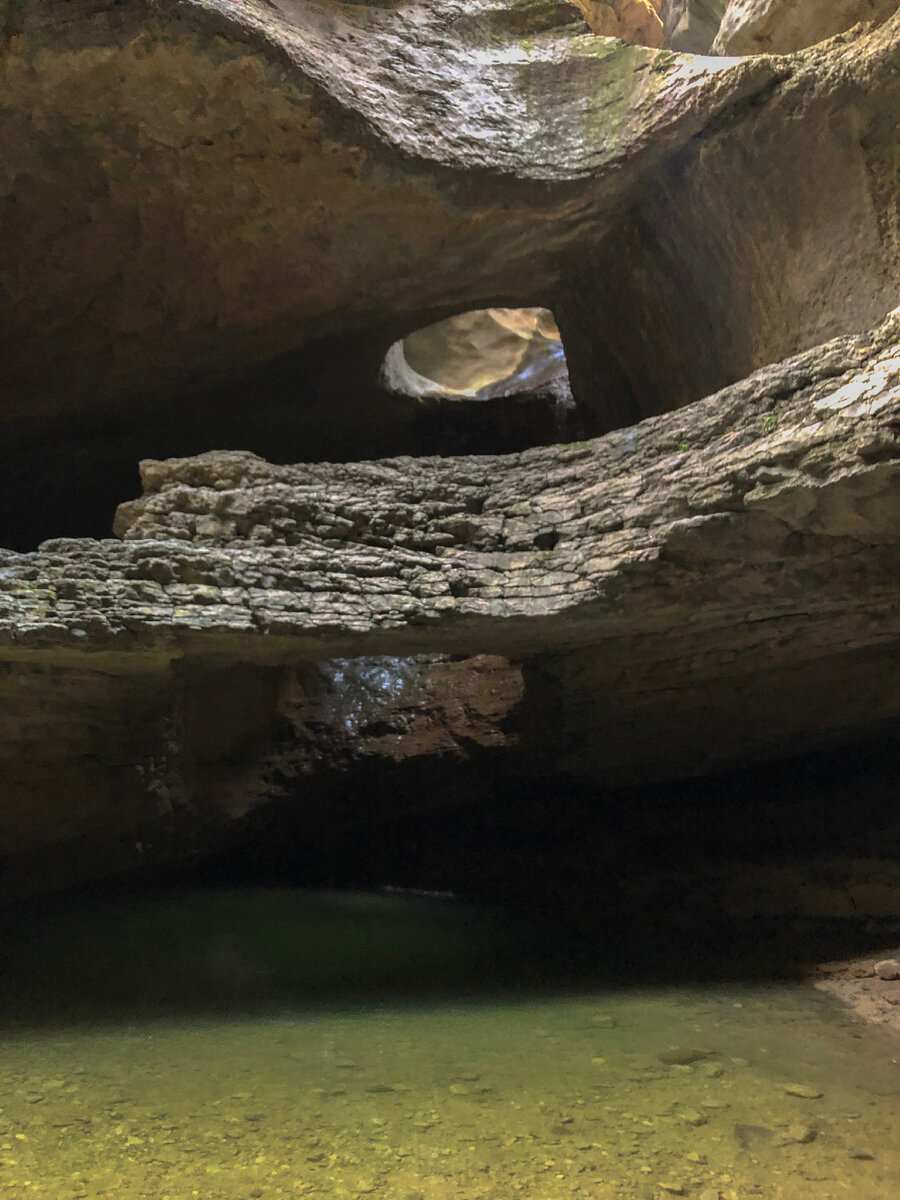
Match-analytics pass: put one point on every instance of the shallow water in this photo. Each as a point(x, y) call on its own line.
point(274, 1044)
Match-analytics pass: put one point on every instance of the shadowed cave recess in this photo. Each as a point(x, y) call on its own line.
point(583, 593)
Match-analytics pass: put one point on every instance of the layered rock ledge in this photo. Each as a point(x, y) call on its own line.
point(219, 216)
point(708, 588)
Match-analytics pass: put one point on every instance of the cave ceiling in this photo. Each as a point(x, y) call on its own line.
point(219, 218)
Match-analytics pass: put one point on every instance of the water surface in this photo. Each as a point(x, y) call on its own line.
point(266, 1044)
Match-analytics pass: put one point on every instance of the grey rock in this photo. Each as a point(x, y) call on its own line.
point(784, 26)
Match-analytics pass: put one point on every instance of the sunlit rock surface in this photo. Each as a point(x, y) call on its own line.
point(636, 21)
point(783, 26)
point(476, 355)
point(691, 25)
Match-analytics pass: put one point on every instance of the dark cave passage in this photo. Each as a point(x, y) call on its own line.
point(747, 875)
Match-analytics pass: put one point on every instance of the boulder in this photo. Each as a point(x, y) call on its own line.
point(783, 26)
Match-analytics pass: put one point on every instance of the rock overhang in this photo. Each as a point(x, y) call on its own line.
point(707, 587)
point(258, 202)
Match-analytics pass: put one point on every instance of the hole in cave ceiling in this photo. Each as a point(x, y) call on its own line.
point(483, 354)
point(323, 403)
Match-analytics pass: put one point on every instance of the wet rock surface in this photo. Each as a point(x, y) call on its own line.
point(871, 996)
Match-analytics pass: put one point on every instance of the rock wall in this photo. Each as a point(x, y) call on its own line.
point(691, 25)
point(635, 21)
point(783, 26)
point(219, 218)
point(709, 588)
point(270, 210)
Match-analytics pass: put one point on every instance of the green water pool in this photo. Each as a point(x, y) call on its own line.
point(150, 1052)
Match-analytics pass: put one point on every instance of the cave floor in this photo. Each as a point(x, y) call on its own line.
point(268, 1042)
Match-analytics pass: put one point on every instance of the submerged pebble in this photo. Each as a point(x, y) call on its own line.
point(225, 1107)
point(803, 1091)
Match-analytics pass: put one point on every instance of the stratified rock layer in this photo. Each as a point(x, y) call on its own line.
point(710, 587)
point(219, 216)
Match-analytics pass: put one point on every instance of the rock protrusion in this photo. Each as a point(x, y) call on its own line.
point(783, 26)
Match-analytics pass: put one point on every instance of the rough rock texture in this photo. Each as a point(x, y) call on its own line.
point(710, 587)
point(783, 26)
point(206, 201)
point(219, 216)
point(857, 985)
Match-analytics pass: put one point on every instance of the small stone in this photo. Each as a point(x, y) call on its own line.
point(458, 1089)
point(682, 1055)
point(673, 1186)
point(750, 1137)
point(713, 1070)
point(713, 1104)
point(888, 968)
point(798, 1135)
point(711, 1194)
point(690, 1116)
point(802, 1091)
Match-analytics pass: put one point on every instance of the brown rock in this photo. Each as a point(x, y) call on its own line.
point(256, 204)
point(635, 21)
point(803, 1091)
point(888, 968)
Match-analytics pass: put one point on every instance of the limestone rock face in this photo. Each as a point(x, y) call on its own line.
point(636, 21)
point(712, 587)
point(692, 25)
point(218, 218)
point(209, 200)
point(783, 26)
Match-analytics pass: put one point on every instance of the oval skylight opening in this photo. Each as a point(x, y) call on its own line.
point(477, 355)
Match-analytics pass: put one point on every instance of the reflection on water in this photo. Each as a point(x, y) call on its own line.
point(275, 1044)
